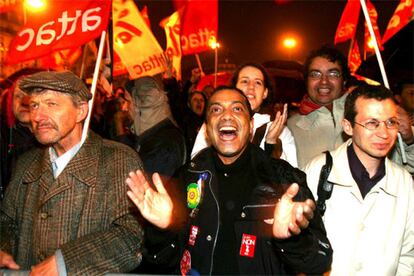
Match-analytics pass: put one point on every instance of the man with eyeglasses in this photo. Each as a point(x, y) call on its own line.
point(317, 126)
point(369, 217)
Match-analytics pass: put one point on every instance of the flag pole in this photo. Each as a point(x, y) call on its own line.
point(199, 64)
point(93, 87)
point(382, 68)
point(373, 38)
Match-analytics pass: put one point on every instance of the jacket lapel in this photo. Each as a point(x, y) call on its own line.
point(83, 167)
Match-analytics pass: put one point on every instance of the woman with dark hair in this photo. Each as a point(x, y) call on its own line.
point(272, 136)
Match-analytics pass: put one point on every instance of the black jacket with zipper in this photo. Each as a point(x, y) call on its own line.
point(309, 252)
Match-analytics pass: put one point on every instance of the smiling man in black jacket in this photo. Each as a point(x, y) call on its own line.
point(242, 215)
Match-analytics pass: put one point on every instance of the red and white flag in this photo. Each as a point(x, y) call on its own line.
point(134, 42)
point(198, 24)
point(348, 24)
point(62, 25)
point(402, 15)
point(172, 28)
point(373, 15)
point(354, 57)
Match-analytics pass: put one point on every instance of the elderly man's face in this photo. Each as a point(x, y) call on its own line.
point(228, 124)
point(56, 121)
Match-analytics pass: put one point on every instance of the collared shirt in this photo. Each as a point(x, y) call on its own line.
point(360, 174)
point(59, 162)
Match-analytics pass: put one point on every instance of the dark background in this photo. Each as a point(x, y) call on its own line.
point(253, 30)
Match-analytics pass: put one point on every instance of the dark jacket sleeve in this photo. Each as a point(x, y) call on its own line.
point(309, 252)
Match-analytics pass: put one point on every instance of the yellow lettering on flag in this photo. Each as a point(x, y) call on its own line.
point(172, 27)
point(134, 42)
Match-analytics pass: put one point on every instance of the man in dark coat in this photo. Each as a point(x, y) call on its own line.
point(242, 216)
point(65, 210)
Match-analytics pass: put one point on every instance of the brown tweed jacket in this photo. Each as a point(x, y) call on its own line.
point(85, 212)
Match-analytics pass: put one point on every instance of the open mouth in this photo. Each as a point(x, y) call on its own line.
point(228, 133)
point(324, 91)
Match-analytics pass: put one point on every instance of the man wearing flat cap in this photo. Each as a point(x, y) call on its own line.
point(65, 209)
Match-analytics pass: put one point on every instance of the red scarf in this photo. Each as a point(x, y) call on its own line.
point(307, 106)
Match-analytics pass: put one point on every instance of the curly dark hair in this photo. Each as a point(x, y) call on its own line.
point(333, 55)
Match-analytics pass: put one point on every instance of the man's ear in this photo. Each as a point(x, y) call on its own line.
point(83, 109)
point(347, 127)
point(251, 126)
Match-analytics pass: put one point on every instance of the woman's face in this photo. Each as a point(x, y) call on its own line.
point(251, 82)
point(197, 104)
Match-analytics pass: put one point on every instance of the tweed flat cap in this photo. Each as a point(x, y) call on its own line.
point(65, 82)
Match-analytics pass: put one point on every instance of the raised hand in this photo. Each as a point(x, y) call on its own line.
point(7, 261)
point(277, 126)
point(46, 268)
point(289, 216)
point(155, 205)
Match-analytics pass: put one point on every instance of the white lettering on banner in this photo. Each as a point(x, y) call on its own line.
point(197, 40)
point(151, 63)
point(64, 20)
point(31, 34)
point(46, 36)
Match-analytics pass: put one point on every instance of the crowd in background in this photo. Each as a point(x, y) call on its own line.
point(163, 120)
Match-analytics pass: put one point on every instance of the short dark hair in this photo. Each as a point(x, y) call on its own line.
point(366, 91)
point(333, 55)
point(268, 82)
point(223, 87)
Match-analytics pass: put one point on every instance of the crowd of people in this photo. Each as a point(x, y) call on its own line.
point(172, 180)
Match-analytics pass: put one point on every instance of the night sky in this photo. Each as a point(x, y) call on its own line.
point(253, 30)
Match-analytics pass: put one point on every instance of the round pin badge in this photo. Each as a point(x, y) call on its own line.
point(193, 195)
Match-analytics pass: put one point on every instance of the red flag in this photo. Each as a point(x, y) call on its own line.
point(348, 24)
point(402, 15)
point(63, 25)
point(373, 15)
point(8, 5)
point(354, 57)
point(199, 23)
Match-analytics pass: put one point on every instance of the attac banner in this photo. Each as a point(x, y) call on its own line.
point(61, 25)
point(402, 15)
point(171, 26)
point(199, 23)
point(133, 41)
point(348, 24)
